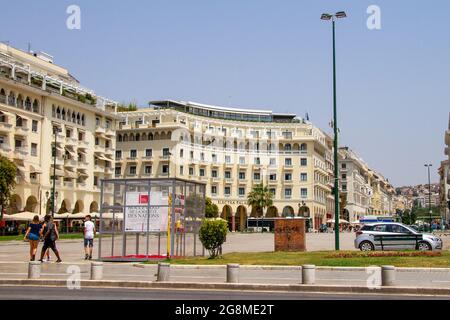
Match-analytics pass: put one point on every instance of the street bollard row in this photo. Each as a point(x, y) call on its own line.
point(34, 270)
point(308, 274)
point(388, 273)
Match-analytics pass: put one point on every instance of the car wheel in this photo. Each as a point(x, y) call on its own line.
point(424, 246)
point(366, 246)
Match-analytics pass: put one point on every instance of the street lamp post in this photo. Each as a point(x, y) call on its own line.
point(429, 193)
point(55, 132)
point(333, 17)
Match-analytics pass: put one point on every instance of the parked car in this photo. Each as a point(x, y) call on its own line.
point(394, 236)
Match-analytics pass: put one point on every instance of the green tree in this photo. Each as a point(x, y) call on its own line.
point(8, 171)
point(260, 198)
point(213, 233)
point(211, 209)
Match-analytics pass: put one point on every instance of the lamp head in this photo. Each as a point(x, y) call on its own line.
point(341, 14)
point(326, 16)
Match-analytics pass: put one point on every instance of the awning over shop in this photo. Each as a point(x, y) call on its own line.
point(22, 216)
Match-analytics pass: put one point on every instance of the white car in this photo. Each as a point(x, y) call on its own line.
point(394, 236)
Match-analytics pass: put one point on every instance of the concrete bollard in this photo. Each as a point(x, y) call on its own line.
point(163, 271)
point(232, 273)
point(96, 270)
point(387, 275)
point(34, 270)
point(308, 274)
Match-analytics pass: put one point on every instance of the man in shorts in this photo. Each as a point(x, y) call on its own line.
point(50, 235)
point(89, 232)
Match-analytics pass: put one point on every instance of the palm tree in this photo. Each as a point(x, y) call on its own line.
point(259, 199)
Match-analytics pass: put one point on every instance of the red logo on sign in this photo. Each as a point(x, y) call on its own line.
point(143, 198)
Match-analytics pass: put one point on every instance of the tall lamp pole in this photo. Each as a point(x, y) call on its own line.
point(429, 193)
point(55, 132)
point(333, 17)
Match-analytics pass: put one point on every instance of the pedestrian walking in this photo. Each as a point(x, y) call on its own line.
point(50, 235)
point(33, 234)
point(89, 233)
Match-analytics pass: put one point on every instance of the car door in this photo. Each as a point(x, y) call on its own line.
point(379, 233)
point(400, 238)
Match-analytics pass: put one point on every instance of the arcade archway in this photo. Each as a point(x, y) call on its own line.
point(241, 218)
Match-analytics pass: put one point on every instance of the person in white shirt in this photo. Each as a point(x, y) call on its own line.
point(89, 232)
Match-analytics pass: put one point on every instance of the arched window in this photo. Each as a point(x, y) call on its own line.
point(69, 114)
point(2, 96)
point(12, 99)
point(63, 114)
point(82, 119)
point(150, 136)
point(28, 104)
point(78, 118)
point(138, 137)
point(53, 111)
point(303, 147)
point(287, 147)
point(73, 117)
point(36, 106)
point(131, 137)
point(20, 101)
point(144, 136)
point(125, 137)
point(119, 138)
point(58, 113)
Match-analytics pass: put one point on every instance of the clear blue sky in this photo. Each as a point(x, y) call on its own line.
point(393, 83)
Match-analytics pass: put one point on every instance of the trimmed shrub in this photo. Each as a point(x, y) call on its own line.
point(213, 233)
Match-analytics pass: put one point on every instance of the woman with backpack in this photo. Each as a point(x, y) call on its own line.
point(33, 234)
point(50, 235)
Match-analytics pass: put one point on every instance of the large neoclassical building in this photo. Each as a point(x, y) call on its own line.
point(231, 150)
point(37, 96)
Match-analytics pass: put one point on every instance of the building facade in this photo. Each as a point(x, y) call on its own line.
point(367, 192)
point(231, 150)
point(37, 96)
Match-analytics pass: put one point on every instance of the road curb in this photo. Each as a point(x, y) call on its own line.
point(230, 286)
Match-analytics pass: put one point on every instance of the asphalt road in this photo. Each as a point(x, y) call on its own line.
point(60, 293)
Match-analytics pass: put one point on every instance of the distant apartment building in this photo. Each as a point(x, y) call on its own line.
point(231, 150)
point(367, 192)
point(37, 96)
